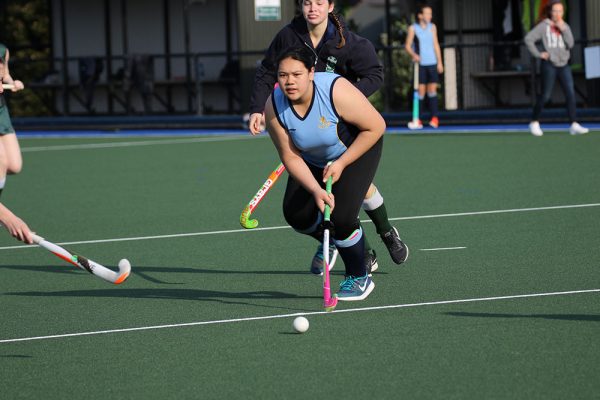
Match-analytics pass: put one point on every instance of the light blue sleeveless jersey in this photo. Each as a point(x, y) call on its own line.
point(320, 136)
point(426, 50)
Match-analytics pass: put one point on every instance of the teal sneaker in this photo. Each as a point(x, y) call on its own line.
point(355, 288)
point(316, 267)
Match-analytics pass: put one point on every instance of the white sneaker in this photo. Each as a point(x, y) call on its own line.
point(415, 124)
point(534, 128)
point(577, 129)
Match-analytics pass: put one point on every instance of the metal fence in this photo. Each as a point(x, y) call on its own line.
point(211, 83)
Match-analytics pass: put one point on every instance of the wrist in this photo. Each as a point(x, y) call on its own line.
point(341, 162)
point(314, 190)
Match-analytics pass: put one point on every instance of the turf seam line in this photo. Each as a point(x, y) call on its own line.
point(178, 235)
point(267, 317)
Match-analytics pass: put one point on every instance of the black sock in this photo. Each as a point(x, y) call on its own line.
point(379, 217)
point(367, 244)
point(433, 104)
point(354, 258)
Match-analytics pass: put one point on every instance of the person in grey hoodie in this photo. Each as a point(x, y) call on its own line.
point(556, 41)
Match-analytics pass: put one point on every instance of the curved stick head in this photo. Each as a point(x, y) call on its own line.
point(124, 271)
point(250, 223)
point(331, 303)
point(245, 220)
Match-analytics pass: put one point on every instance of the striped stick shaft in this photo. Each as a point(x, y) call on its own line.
point(416, 93)
point(85, 264)
point(245, 219)
point(328, 302)
point(266, 187)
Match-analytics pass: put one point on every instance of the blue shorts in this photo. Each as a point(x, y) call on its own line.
point(428, 74)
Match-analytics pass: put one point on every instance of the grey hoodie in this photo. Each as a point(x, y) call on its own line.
point(558, 44)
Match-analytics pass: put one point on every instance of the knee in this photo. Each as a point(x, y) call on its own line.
point(345, 228)
point(570, 92)
point(289, 217)
point(371, 191)
point(10, 165)
point(545, 97)
point(350, 239)
point(14, 167)
point(373, 200)
point(302, 222)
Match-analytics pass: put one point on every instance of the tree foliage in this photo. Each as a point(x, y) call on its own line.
point(398, 70)
point(26, 33)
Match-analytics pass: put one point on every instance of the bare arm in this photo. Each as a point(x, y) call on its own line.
point(15, 225)
point(409, 43)
point(438, 51)
point(370, 123)
point(293, 161)
point(6, 78)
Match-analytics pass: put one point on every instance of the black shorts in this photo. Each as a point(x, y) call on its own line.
point(300, 209)
point(428, 74)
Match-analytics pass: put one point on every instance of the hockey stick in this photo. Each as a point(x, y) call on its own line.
point(245, 220)
point(414, 124)
point(86, 264)
point(8, 86)
point(329, 301)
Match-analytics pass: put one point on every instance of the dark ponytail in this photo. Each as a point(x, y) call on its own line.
point(340, 29)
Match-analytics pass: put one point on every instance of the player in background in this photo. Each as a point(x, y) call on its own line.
point(11, 161)
point(312, 120)
point(337, 50)
point(423, 46)
point(556, 43)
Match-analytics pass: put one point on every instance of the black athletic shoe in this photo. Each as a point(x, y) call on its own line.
point(371, 262)
point(398, 250)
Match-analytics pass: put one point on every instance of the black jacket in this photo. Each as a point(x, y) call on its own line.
point(357, 61)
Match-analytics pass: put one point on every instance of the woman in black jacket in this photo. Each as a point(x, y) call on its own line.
point(336, 50)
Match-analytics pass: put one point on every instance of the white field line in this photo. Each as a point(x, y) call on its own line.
point(132, 144)
point(270, 317)
point(511, 210)
point(444, 248)
point(178, 235)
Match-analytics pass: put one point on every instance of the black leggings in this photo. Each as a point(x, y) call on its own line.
point(301, 211)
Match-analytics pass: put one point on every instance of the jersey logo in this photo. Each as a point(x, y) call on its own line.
point(331, 62)
point(323, 123)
